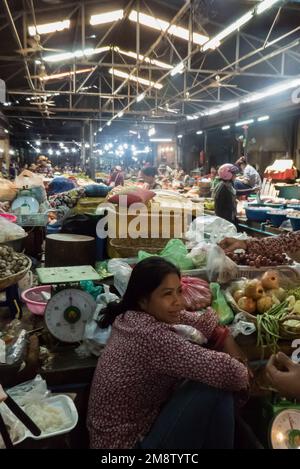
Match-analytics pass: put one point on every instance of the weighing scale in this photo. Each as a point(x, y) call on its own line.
point(283, 423)
point(70, 307)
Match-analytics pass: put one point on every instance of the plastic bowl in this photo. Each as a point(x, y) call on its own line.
point(36, 307)
point(295, 222)
point(257, 215)
point(9, 217)
point(276, 218)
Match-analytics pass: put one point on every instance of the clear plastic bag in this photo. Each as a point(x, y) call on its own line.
point(122, 272)
point(212, 228)
point(240, 325)
point(199, 254)
point(94, 337)
point(33, 390)
point(190, 333)
point(219, 267)
point(10, 231)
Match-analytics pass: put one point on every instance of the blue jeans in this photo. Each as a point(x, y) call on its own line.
point(197, 416)
point(242, 189)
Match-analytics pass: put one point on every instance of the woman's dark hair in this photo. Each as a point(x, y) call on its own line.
point(150, 171)
point(146, 276)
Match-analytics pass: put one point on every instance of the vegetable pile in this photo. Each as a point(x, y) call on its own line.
point(260, 260)
point(11, 262)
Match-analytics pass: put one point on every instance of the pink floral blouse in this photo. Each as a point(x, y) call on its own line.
point(140, 366)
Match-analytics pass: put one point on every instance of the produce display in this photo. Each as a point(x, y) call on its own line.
point(268, 259)
point(11, 262)
point(196, 293)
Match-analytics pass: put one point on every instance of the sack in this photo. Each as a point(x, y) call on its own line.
point(34, 182)
point(8, 190)
point(220, 306)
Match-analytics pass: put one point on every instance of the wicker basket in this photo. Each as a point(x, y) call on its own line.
point(128, 247)
point(12, 279)
point(245, 271)
point(285, 332)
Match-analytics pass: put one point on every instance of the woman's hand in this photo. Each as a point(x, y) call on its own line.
point(284, 375)
point(233, 349)
point(231, 244)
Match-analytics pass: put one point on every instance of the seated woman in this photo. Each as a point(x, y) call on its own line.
point(152, 387)
point(250, 181)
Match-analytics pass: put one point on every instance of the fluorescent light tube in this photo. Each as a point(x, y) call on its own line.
point(142, 58)
point(140, 97)
point(160, 140)
point(49, 27)
point(77, 54)
point(161, 25)
point(177, 69)
point(263, 6)
point(179, 136)
point(120, 114)
point(57, 76)
point(108, 17)
point(215, 41)
point(226, 127)
point(200, 132)
point(142, 81)
point(263, 118)
point(240, 124)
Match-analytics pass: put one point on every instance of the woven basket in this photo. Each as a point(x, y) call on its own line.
point(12, 279)
point(128, 247)
point(285, 333)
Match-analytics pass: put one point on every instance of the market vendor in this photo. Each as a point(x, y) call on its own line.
point(117, 177)
point(225, 194)
point(249, 181)
point(148, 175)
point(154, 388)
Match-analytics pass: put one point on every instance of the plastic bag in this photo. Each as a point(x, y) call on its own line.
point(219, 267)
point(220, 306)
point(8, 190)
point(211, 228)
point(89, 287)
point(10, 231)
point(240, 325)
point(94, 337)
point(122, 272)
point(199, 254)
point(196, 293)
point(28, 179)
point(190, 333)
point(176, 252)
point(33, 390)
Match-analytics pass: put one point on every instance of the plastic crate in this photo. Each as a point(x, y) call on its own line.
point(33, 219)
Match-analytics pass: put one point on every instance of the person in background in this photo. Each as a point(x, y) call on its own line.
point(117, 177)
point(148, 175)
point(12, 170)
point(250, 181)
point(154, 388)
point(224, 194)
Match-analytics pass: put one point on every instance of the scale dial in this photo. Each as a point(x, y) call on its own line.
point(67, 314)
point(285, 430)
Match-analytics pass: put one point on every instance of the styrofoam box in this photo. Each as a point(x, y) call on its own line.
point(67, 405)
